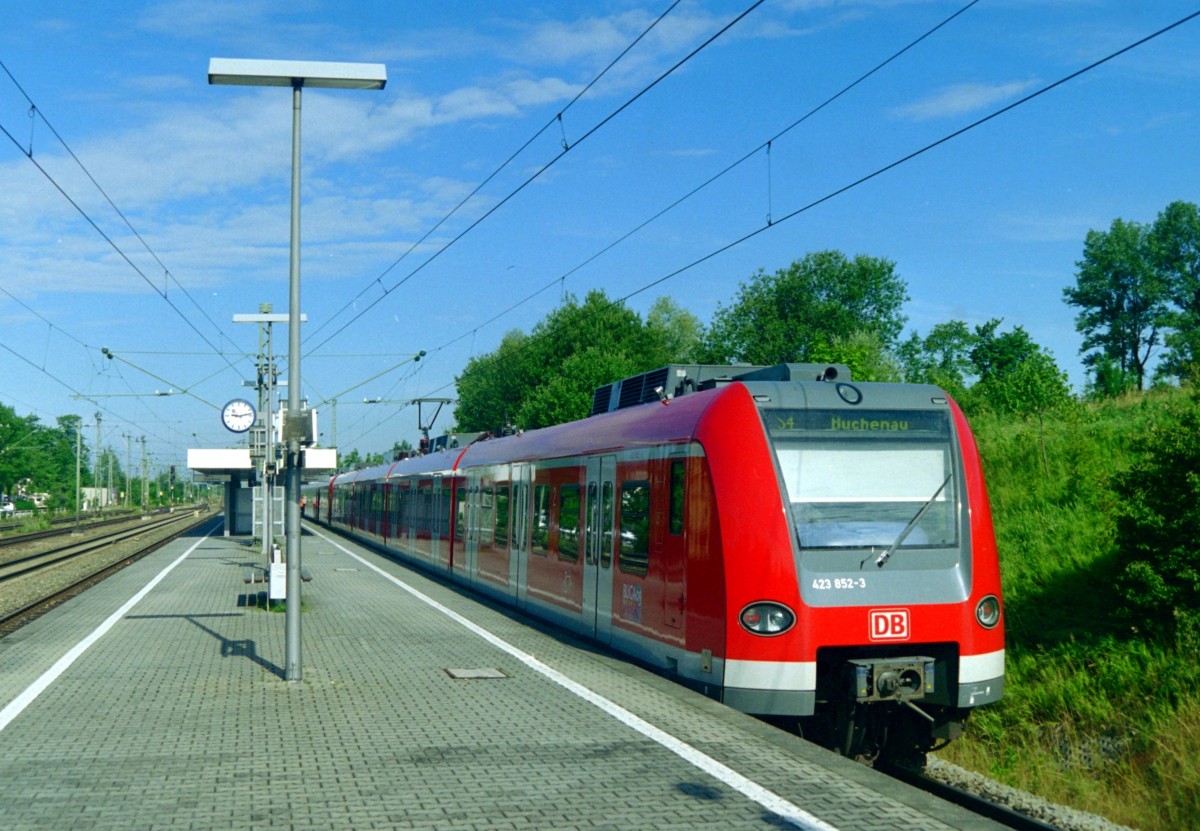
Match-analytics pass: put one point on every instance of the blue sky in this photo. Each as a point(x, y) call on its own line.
point(987, 225)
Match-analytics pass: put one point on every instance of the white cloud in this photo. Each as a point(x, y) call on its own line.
point(201, 18)
point(961, 99)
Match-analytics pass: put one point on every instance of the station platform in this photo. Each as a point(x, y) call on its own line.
point(156, 700)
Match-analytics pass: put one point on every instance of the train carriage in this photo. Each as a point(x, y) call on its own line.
point(783, 539)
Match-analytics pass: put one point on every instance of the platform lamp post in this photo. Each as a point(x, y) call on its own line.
point(297, 75)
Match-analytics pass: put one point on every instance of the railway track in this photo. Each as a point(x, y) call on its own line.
point(973, 802)
point(65, 525)
point(32, 562)
point(31, 583)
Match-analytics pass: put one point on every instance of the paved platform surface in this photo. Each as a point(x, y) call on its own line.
point(157, 701)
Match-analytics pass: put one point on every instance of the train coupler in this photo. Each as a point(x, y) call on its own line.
point(892, 679)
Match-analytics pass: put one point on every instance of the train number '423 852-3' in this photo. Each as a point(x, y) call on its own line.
point(839, 583)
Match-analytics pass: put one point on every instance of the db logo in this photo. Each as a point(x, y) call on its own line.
point(889, 624)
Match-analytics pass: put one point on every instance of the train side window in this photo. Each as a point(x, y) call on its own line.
point(502, 516)
point(634, 553)
point(540, 529)
point(568, 522)
point(675, 514)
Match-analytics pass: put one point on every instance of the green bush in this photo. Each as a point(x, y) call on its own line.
point(1158, 524)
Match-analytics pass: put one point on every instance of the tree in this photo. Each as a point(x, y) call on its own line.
point(18, 440)
point(1123, 300)
point(547, 376)
point(354, 460)
point(865, 355)
point(1174, 245)
point(679, 331)
point(1033, 388)
point(996, 354)
point(942, 358)
point(567, 395)
point(790, 315)
point(1108, 380)
point(492, 386)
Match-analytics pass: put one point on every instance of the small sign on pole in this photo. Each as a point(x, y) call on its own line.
point(278, 581)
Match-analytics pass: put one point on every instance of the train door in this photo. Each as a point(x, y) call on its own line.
point(374, 512)
point(598, 542)
point(385, 515)
point(460, 511)
point(436, 519)
point(670, 543)
point(469, 516)
point(518, 550)
point(412, 514)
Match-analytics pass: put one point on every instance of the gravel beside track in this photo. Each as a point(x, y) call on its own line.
point(1060, 816)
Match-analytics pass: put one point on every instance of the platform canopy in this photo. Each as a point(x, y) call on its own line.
point(223, 464)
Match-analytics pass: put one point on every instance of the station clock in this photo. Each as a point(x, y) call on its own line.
point(238, 415)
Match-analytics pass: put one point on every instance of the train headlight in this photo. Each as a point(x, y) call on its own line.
point(987, 612)
point(765, 618)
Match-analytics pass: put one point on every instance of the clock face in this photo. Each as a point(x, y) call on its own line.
point(238, 415)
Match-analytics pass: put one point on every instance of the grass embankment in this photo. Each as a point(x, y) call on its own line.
point(1096, 714)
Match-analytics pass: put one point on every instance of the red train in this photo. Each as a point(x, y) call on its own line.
point(792, 543)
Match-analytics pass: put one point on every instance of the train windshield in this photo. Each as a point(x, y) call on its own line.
point(858, 479)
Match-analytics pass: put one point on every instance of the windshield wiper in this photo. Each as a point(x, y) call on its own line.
point(912, 523)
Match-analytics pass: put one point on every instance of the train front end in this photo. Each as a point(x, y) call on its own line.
point(868, 598)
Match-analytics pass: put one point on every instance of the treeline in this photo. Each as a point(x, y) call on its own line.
point(1137, 291)
point(40, 456)
point(825, 308)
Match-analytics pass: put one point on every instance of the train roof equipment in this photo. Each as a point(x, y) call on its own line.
point(675, 380)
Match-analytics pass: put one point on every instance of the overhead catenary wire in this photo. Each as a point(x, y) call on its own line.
point(503, 165)
point(766, 145)
point(550, 332)
point(75, 393)
point(540, 171)
point(35, 111)
point(28, 153)
point(560, 280)
point(112, 243)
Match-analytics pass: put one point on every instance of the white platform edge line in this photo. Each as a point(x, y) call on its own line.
point(27, 697)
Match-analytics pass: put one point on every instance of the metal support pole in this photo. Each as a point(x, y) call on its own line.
point(96, 467)
point(145, 481)
point(264, 415)
point(296, 74)
point(78, 451)
point(293, 670)
point(128, 467)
